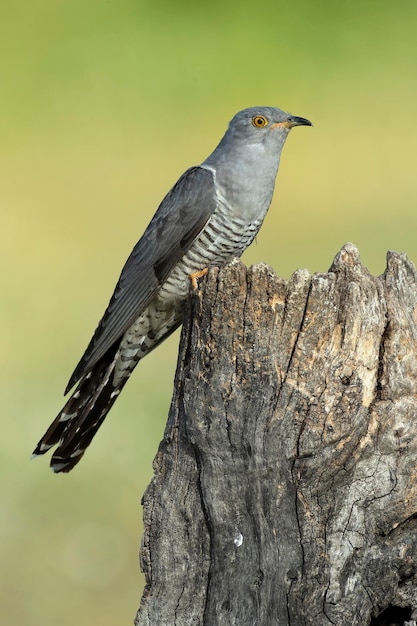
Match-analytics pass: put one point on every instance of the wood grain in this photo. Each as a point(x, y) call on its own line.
point(285, 486)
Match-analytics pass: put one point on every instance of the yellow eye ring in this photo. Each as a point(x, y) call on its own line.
point(259, 121)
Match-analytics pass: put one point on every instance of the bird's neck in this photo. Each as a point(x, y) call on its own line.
point(245, 177)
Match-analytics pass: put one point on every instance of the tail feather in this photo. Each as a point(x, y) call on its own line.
point(75, 426)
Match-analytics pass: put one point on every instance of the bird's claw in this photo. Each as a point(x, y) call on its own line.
point(195, 276)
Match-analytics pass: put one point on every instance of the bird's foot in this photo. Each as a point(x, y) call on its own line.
point(195, 276)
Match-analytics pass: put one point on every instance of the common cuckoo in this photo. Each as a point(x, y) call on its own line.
point(211, 215)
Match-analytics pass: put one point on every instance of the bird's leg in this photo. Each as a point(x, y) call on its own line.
point(195, 276)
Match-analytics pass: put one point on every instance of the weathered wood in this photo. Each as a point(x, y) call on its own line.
point(285, 486)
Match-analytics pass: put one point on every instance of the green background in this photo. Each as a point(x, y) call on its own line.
point(103, 106)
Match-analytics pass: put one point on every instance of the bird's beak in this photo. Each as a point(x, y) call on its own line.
point(291, 121)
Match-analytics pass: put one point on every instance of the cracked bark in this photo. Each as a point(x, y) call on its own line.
point(285, 486)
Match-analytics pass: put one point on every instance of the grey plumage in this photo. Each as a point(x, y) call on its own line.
point(211, 215)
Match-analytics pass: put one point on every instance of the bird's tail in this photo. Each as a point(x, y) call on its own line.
point(75, 426)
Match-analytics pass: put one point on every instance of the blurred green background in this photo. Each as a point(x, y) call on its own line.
point(103, 106)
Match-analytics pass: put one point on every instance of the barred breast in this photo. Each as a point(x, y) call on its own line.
point(225, 236)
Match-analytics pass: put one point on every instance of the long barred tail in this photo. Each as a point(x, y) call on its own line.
point(75, 426)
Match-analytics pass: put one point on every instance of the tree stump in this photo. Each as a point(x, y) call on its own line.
point(285, 486)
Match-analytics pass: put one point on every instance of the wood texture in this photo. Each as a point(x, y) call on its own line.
point(285, 486)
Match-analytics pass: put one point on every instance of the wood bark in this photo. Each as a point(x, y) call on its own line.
point(285, 486)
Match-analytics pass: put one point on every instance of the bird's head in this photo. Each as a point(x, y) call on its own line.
point(260, 124)
point(255, 132)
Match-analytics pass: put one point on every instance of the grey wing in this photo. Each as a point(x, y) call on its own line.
point(179, 219)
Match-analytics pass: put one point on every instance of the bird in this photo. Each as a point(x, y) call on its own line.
point(211, 215)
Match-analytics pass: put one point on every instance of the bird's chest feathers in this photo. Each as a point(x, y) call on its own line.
point(248, 186)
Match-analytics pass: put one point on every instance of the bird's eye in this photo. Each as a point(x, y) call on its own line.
point(259, 121)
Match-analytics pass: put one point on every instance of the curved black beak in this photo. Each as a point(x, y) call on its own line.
point(293, 120)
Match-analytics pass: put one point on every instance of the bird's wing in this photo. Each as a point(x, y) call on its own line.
point(179, 219)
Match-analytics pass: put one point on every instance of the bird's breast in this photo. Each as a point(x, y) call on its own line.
point(227, 234)
point(246, 189)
